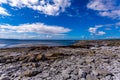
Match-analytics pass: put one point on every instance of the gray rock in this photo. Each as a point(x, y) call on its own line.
point(103, 65)
point(89, 60)
point(57, 77)
point(82, 74)
point(94, 72)
point(91, 77)
point(74, 77)
point(1, 72)
point(104, 72)
point(75, 72)
point(4, 78)
point(108, 78)
point(82, 79)
point(65, 73)
point(45, 74)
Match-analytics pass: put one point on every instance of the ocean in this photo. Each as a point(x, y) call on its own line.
point(9, 43)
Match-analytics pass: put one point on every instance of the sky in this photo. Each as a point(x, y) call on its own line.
point(59, 19)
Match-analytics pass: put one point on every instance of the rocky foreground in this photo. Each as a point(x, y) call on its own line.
point(60, 63)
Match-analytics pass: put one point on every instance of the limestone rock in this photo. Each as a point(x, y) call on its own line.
point(29, 73)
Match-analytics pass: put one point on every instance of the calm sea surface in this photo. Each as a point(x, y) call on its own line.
point(5, 43)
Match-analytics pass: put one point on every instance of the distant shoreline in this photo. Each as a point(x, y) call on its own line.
point(77, 43)
point(37, 61)
point(11, 43)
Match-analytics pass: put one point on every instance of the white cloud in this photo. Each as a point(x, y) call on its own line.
point(115, 14)
point(35, 30)
point(95, 31)
point(38, 28)
point(48, 7)
point(118, 24)
point(108, 8)
point(92, 29)
point(4, 12)
point(101, 33)
point(113, 37)
point(101, 5)
point(3, 1)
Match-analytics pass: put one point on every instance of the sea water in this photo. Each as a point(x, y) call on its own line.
point(6, 43)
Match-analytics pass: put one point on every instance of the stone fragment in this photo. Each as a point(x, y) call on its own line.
point(29, 73)
point(4, 78)
point(91, 77)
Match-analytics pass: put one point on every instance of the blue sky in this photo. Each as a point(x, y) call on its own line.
point(59, 19)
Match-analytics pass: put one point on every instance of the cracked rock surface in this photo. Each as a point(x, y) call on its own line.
point(57, 63)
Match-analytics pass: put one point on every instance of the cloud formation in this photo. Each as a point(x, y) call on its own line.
point(108, 8)
point(95, 31)
point(35, 30)
point(38, 28)
point(4, 12)
point(106, 27)
point(48, 7)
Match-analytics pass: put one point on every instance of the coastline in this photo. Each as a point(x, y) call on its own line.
point(86, 62)
point(12, 43)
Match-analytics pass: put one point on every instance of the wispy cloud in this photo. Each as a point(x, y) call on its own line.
point(4, 12)
point(101, 33)
point(96, 30)
point(48, 7)
point(108, 8)
point(35, 28)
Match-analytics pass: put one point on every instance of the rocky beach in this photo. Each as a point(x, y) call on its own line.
point(84, 60)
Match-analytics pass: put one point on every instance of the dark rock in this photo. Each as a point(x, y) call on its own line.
point(84, 74)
